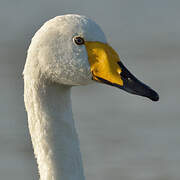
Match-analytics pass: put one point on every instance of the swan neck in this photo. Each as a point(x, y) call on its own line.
point(53, 133)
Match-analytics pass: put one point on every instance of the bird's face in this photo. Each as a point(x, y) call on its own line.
point(74, 51)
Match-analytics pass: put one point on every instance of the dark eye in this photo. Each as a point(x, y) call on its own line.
point(78, 40)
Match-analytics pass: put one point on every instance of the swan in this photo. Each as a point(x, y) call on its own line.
point(67, 50)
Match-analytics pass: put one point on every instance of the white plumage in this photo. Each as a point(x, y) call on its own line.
point(55, 63)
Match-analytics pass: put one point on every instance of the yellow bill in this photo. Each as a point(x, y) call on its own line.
point(107, 68)
point(104, 62)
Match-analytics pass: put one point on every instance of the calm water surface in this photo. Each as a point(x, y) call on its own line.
point(122, 136)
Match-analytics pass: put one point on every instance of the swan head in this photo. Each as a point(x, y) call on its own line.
point(73, 50)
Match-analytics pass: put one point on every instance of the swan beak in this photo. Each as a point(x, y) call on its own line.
point(107, 68)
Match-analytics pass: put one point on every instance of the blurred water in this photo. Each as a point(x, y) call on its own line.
point(122, 136)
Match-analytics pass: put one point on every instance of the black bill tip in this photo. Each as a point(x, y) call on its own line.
point(134, 86)
point(138, 88)
point(153, 95)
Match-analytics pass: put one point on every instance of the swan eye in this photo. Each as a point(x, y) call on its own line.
point(78, 40)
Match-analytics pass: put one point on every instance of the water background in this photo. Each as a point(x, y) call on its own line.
point(122, 136)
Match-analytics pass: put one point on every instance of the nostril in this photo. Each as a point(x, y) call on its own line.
point(124, 75)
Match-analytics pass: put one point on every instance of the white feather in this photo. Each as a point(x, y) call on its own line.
point(54, 64)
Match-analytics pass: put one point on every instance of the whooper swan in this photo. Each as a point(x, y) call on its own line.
point(67, 50)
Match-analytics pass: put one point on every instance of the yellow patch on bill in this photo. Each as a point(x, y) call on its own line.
point(103, 61)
